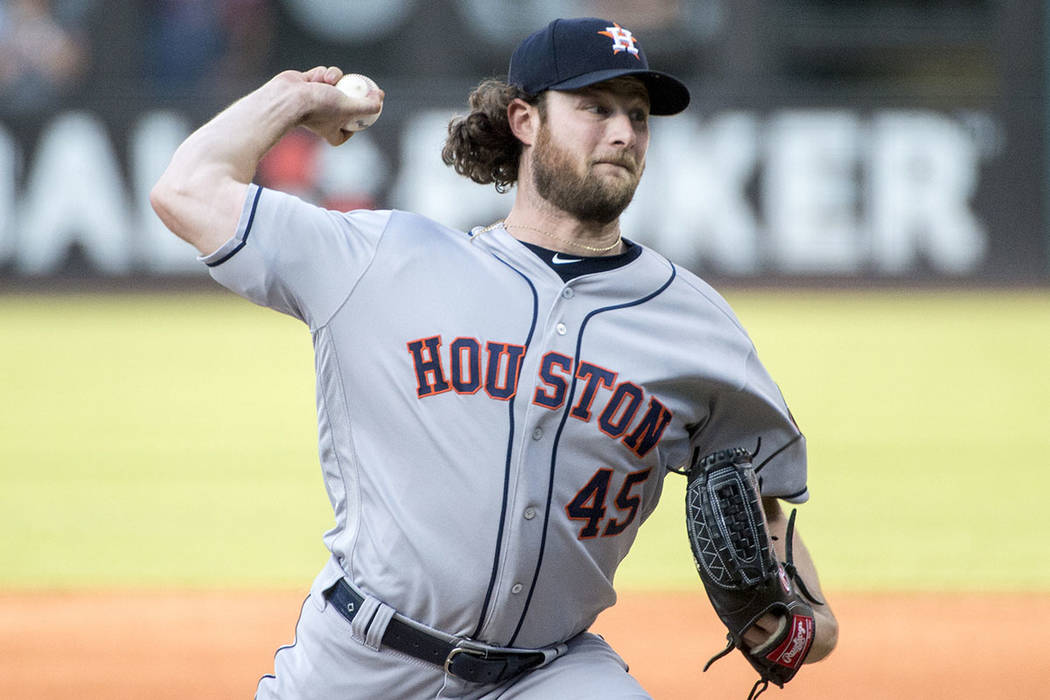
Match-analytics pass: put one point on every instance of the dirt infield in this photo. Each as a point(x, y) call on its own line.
point(216, 645)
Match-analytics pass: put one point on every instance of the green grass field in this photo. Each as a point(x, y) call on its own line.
point(168, 441)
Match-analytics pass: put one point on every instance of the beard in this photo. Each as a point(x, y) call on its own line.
point(587, 197)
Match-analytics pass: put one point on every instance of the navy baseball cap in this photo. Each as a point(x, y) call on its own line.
point(573, 53)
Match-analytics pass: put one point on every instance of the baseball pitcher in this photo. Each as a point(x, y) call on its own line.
point(498, 408)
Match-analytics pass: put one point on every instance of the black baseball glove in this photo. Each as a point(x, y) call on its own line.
point(739, 569)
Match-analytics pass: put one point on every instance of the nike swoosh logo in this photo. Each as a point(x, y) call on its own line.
point(558, 260)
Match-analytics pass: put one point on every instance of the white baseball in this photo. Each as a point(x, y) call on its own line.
point(357, 86)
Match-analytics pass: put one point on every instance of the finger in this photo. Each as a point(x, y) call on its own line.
point(332, 75)
point(754, 637)
point(761, 632)
point(768, 623)
point(315, 74)
point(323, 74)
point(339, 137)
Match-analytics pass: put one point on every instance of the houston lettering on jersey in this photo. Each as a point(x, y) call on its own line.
point(622, 410)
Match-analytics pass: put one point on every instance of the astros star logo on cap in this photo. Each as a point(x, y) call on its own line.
point(623, 40)
point(570, 54)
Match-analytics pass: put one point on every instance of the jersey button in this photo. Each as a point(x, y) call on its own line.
point(516, 588)
point(562, 330)
point(537, 433)
point(568, 293)
point(529, 513)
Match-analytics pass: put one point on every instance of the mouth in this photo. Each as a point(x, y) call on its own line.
point(618, 163)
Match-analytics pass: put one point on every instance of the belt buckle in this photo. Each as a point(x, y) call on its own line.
point(472, 651)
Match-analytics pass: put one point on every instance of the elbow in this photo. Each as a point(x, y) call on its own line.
point(164, 198)
point(179, 206)
point(199, 204)
point(158, 196)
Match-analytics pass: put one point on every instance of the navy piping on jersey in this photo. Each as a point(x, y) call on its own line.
point(509, 460)
point(247, 230)
point(283, 648)
point(557, 437)
point(768, 459)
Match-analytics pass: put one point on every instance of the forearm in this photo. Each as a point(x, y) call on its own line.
point(826, 625)
point(233, 142)
point(199, 196)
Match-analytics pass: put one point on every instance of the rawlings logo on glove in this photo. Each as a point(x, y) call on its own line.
point(792, 652)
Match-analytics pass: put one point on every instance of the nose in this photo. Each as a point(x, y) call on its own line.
point(621, 131)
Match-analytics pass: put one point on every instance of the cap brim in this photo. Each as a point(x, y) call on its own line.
point(667, 94)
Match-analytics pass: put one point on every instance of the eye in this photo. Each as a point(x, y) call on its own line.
point(640, 115)
point(596, 108)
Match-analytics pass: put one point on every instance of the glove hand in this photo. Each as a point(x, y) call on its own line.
point(759, 599)
point(765, 629)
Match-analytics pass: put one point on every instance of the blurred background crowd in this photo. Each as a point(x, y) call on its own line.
point(830, 139)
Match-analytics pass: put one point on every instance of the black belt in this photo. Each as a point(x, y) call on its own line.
point(460, 658)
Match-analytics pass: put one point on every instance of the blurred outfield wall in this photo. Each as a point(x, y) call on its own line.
point(840, 140)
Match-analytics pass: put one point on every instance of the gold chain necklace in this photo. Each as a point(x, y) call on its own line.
point(566, 241)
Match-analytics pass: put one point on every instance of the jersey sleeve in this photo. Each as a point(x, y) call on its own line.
point(743, 406)
point(756, 417)
point(295, 257)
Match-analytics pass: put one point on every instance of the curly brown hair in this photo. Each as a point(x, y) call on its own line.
point(481, 145)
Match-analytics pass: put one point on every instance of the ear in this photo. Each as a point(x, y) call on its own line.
point(524, 120)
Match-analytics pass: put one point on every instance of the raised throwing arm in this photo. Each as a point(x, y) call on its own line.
point(200, 195)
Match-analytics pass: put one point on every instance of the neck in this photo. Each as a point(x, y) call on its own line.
point(564, 234)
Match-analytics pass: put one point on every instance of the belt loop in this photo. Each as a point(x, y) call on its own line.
point(377, 627)
point(551, 653)
point(363, 619)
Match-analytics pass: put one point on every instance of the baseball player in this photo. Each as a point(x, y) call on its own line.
point(497, 408)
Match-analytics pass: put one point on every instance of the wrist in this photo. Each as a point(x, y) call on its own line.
point(826, 634)
point(287, 101)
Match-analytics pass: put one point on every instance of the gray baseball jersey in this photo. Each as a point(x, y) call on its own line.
point(492, 436)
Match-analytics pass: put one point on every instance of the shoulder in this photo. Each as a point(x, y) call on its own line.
point(410, 223)
point(289, 210)
point(690, 291)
